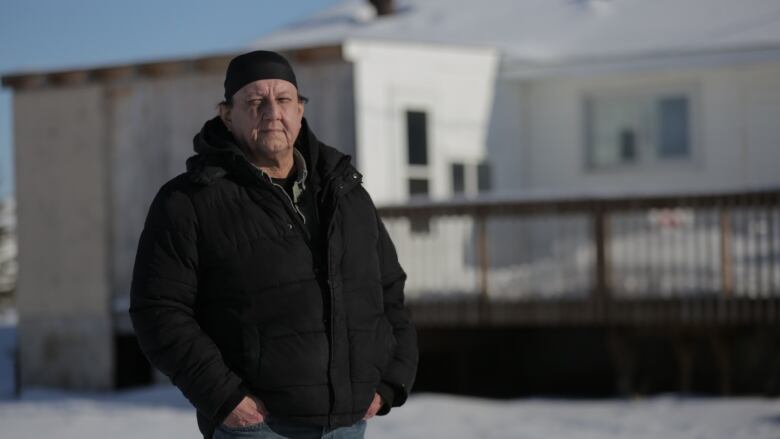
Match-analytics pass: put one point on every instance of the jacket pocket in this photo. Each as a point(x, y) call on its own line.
point(389, 343)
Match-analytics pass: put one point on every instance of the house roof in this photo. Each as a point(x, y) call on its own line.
point(549, 31)
point(535, 37)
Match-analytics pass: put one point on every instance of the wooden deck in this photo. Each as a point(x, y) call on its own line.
point(682, 260)
point(595, 295)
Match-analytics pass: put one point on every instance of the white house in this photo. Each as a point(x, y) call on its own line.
point(565, 95)
point(456, 97)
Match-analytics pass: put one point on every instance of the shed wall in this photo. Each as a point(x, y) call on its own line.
point(63, 290)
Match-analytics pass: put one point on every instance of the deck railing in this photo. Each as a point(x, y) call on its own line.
point(690, 259)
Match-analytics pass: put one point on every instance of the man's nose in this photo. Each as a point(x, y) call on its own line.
point(271, 110)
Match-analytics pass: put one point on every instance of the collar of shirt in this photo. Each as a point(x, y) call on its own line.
point(301, 173)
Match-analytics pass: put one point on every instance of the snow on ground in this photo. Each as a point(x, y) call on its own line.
point(161, 412)
point(149, 413)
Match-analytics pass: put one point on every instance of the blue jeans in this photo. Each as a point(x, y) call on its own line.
point(273, 428)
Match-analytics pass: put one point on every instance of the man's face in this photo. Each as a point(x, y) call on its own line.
point(265, 117)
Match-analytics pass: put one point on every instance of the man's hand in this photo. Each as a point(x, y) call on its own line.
point(248, 412)
point(376, 404)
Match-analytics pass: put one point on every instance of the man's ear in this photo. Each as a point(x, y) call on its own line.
point(225, 113)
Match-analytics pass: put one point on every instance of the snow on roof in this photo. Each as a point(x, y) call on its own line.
point(548, 31)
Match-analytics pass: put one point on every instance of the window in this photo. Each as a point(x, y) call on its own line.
point(470, 179)
point(458, 178)
point(418, 187)
point(637, 128)
point(417, 148)
point(484, 183)
point(674, 127)
point(417, 137)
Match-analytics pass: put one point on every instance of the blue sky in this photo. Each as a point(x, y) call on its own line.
point(58, 34)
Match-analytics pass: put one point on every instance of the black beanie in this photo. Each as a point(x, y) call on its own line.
point(254, 66)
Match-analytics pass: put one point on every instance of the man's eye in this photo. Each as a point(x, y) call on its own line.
point(283, 100)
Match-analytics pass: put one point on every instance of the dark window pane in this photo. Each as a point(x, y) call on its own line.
point(458, 178)
point(674, 127)
point(420, 223)
point(627, 145)
point(484, 183)
point(418, 186)
point(417, 137)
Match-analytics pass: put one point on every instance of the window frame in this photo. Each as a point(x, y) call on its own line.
point(689, 90)
point(417, 171)
point(471, 180)
point(425, 139)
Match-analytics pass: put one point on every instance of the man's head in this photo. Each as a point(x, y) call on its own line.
point(262, 107)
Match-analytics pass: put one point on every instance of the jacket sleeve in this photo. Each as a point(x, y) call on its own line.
point(401, 371)
point(162, 302)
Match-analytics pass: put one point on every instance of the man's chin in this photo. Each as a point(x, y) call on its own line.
point(273, 146)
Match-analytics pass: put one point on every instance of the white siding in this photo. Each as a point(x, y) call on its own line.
point(454, 86)
point(736, 138)
point(508, 129)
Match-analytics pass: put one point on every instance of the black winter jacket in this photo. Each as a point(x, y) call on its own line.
point(230, 296)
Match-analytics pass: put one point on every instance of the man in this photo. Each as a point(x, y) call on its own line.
point(265, 285)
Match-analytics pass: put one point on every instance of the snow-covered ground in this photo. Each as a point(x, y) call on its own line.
point(161, 412)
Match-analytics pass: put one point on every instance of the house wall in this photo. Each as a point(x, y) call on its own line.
point(536, 141)
point(508, 128)
point(454, 86)
point(736, 134)
point(331, 108)
point(65, 336)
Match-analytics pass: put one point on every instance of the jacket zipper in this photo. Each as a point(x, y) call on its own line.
point(292, 203)
point(340, 190)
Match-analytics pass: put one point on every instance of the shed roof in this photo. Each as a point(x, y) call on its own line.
point(534, 36)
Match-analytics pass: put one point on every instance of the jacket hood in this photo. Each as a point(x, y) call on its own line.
point(214, 139)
